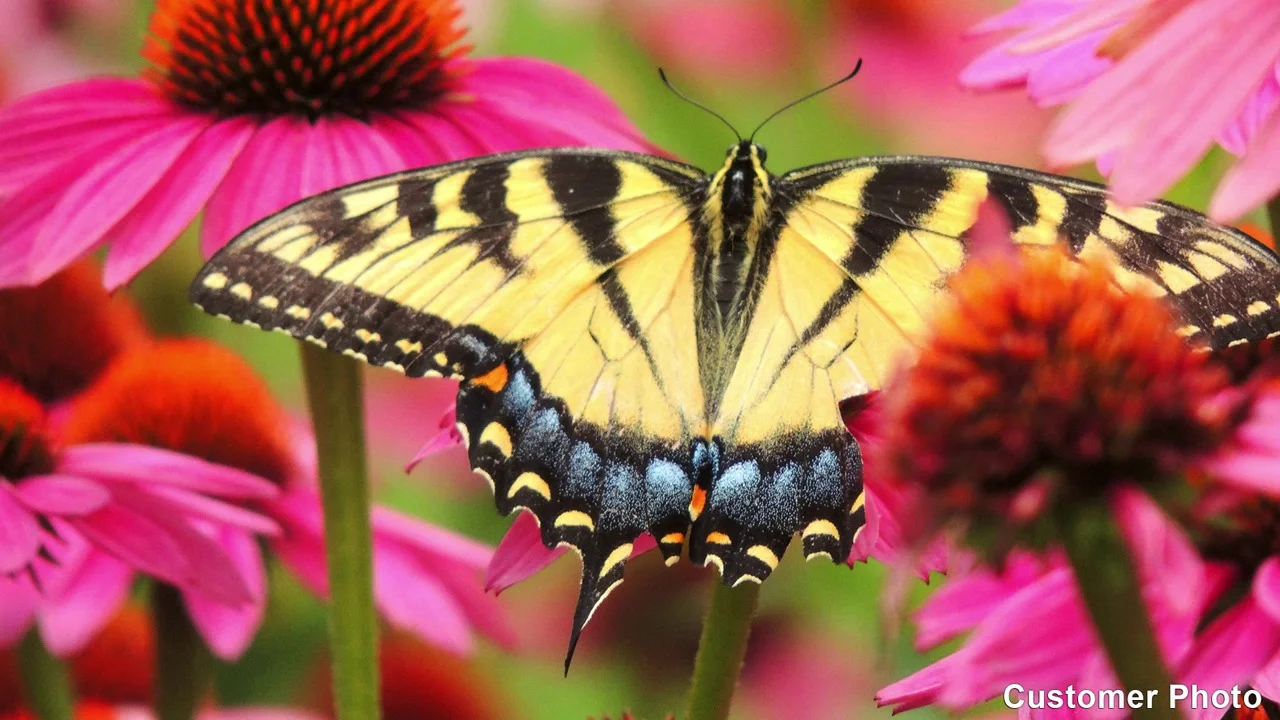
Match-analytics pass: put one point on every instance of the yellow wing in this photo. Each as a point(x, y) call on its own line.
point(556, 284)
point(863, 254)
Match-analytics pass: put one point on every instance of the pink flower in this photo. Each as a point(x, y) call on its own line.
point(1028, 624)
point(195, 397)
point(128, 163)
point(911, 52)
point(137, 508)
point(1153, 84)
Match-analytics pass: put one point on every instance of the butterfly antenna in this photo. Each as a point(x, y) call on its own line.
point(662, 74)
point(796, 102)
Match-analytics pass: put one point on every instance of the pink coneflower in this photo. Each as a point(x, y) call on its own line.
point(248, 107)
point(1027, 624)
point(139, 507)
point(196, 398)
point(1153, 84)
point(1044, 391)
point(1043, 386)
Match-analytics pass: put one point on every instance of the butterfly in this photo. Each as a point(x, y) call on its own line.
point(644, 347)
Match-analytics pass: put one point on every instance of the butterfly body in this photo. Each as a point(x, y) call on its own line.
point(644, 347)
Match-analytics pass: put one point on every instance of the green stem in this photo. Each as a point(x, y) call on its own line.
point(337, 414)
point(1108, 583)
point(1273, 216)
point(184, 666)
point(720, 651)
point(45, 680)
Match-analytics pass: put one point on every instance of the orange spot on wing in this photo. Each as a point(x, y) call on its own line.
point(674, 538)
point(495, 379)
point(718, 538)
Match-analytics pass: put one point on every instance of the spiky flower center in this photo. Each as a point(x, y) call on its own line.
point(189, 396)
point(25, 449)
point(1044, 381)
point(304, 57)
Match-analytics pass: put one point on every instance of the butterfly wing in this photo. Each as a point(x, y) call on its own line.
point(557, 285)
point(863, 253)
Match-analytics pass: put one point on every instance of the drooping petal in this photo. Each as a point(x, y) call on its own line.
point(19, 531)
point(154, 537)
point(154, 223)
point(1267, 680)
point(543, 95)
point(216, 511)
point(123, 462)
point(229, 629)
point(94, 588)
point(1039, 638)
point(392, 525)
point(62, 494)
point(1230, 650)
point(1163, 104)
point(1028, 12)
point(520, 554)
point(964, 602)
point(1266, 587)
point(362, 152)
point(18, 602)
point(1253, 179)
point(100, 198)
point(413, 599)
point(1066, 71)
point(1236, 136)
point(920, 688)
point(264, 178)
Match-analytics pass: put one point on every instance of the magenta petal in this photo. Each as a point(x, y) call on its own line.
point(1250, 471)
point(142, 235)
point(362, 152)
point(520, 554)
point(1064, 72)
point(99, 199)
point(154, 537)
point(1027, 12)
point(1038, 638)
point(301, 546)
point(1266, 587)
point(389, 524)
point(123, 462)
point(1267, 680)
point(264, 178)
point(229, 629)
point(1165, 102)
point(18, 602)
point(920, 688)
point(964, 602)
point(1253, 180)
point(411, 598)
point(215, 511)
point(19, 531)
point(94, 589)
point(1237, 135)
point(541, 97)
point(62, 494)
point(1228, 652)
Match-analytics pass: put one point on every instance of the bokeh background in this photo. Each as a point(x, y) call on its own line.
point(824, 641)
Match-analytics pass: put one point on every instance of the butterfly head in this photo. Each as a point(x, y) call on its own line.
point(743, 179)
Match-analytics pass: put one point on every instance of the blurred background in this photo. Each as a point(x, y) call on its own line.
point(822, 645)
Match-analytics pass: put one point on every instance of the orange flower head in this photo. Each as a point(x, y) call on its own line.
point(117, 666)
point(1043, 383)
point(190, 396)
point(56, 337)
point(25, 447)
point(304, 57)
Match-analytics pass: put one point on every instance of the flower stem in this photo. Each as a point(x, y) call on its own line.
point(45, 681)
point(1108, 584)
point(337, 414)
point(720, 651)
point(1273, 216)
point(184, 666)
